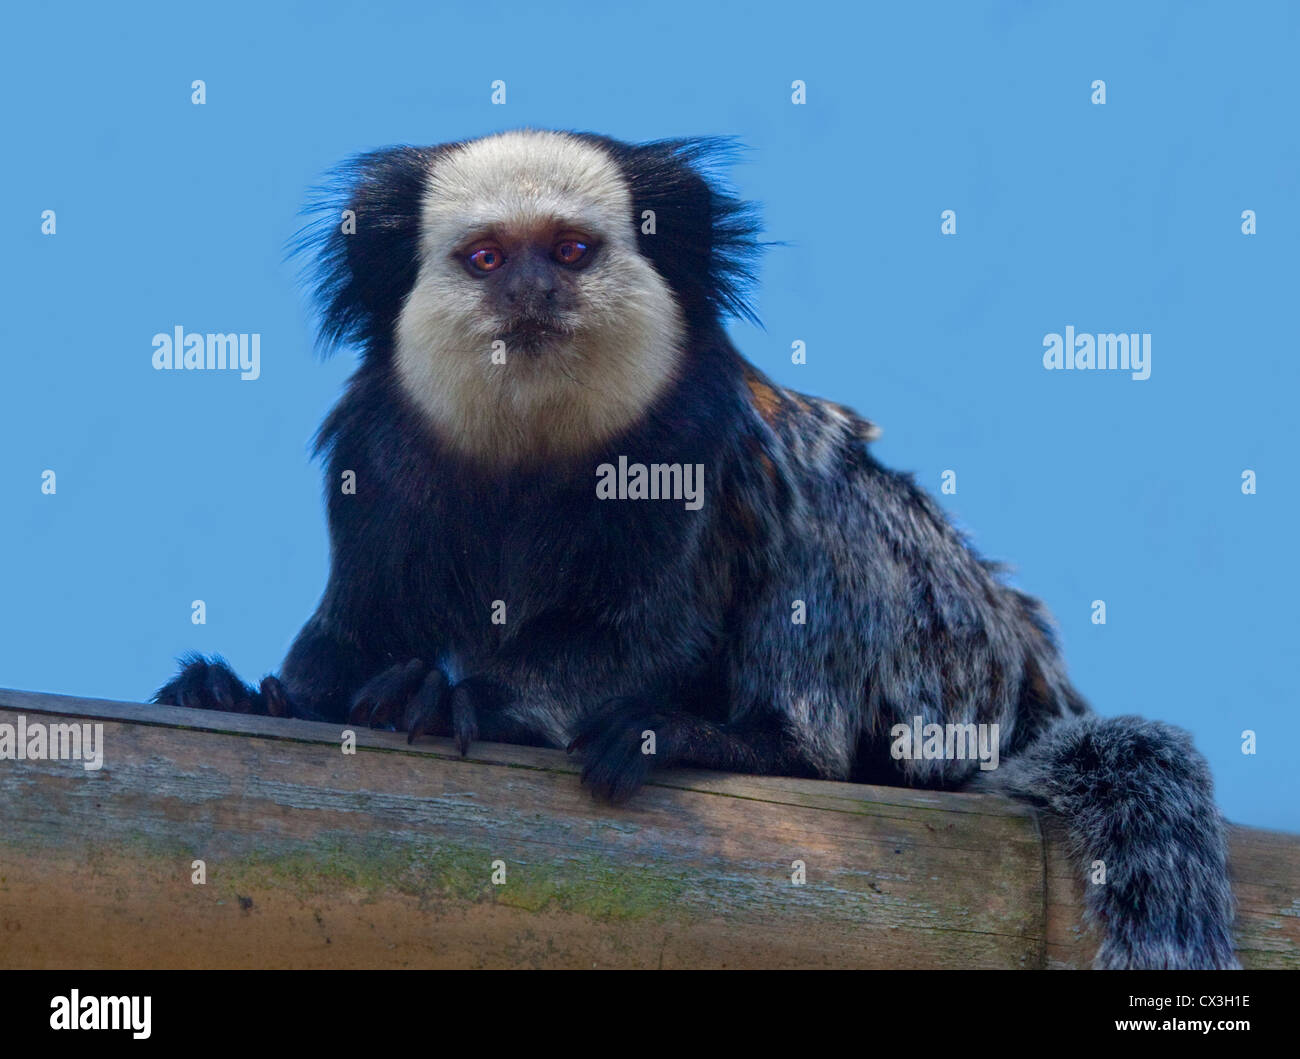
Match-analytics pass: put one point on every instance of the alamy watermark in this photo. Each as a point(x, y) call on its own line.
point(919, 741)
point(77, 1012)
point(180, 351)
point(1100, 352)
point(655, 481)
point(53, 742)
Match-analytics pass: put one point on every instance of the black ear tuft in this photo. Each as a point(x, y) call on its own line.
point(360, 280)
point(705, 242)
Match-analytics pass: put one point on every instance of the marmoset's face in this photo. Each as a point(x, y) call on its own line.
point(535, 326)
point(530, 280)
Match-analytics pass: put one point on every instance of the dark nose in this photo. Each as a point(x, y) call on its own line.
point(530, 286)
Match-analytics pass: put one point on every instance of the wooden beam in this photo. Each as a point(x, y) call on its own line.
point(385, 858)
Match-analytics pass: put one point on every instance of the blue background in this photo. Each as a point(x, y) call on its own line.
point(1124, 217)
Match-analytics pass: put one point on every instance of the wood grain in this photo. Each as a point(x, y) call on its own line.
point(384, 858)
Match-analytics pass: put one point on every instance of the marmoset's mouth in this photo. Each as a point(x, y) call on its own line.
point(534, 336)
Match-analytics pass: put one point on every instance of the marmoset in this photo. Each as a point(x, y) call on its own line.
point(565, 511)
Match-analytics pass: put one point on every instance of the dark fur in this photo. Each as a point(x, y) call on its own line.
point(628, 616)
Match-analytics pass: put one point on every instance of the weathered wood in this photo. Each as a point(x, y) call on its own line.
point(384, 858)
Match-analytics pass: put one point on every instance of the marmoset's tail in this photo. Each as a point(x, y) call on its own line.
point(1137, 797)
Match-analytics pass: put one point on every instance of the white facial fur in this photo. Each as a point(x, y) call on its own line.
point(626, 328)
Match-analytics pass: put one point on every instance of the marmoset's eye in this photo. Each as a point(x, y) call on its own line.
point(569, 251)
point(487, 258)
